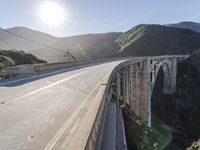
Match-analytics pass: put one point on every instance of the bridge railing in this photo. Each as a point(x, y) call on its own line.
point(29, 69)
point(96, 130)
point(100, 117)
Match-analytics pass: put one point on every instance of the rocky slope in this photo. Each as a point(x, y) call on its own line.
point(181, 110)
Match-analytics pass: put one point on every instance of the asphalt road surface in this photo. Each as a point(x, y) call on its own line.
point(54, 112)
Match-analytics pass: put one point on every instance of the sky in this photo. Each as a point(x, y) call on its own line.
point(96, 16)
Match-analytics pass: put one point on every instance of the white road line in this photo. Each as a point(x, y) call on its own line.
point(75, 125)
point(60, 132)
point(42, 75)
point(46, 87)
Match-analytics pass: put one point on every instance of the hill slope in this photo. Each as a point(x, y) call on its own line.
point(89, 46)
point(141, 40)
point(187, 25)
point(12, 57)
point(10, 41)
point(144, 40)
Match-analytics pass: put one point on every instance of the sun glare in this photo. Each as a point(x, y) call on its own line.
point(52, 13)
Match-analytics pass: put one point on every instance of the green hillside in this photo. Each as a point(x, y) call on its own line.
point(13, 57)
point(144, 40)
point(141, 40)
point(187, 25)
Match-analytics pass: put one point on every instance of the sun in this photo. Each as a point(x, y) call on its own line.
point(52, 13)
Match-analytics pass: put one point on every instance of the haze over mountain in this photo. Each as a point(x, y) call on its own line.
point(88, 46)
point(187, 25)
point(9, 41)
point(139, 41)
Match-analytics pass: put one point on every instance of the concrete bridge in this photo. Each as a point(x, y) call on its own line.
point(134, 82)
point(70, 108)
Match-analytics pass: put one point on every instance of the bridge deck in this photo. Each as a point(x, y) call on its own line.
point(55, 112)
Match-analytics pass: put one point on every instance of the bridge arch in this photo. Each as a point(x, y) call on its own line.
point(167, 72)
point(133, 83)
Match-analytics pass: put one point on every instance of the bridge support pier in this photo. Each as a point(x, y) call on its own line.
point(118, 89)
point(136, 79)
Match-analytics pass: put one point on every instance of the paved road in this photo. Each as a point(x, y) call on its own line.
point(55, 112)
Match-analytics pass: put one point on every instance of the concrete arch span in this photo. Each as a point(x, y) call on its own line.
point(133, 82)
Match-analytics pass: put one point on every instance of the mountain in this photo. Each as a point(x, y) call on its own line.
point(89, 46)
point(10, 41)
point(144, 40)
point(13, 57)
point(187, 25)
point(141, 40)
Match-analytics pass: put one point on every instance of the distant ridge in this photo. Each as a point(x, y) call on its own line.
point(141, 40)
point(187, 25)
point(148, 40)
point(88, 46)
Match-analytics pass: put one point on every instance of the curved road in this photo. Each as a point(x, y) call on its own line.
point(55, 112)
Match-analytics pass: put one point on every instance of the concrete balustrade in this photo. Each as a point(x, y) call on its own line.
point(23, 70)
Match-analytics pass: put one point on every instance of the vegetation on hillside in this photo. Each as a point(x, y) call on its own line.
point(187, 25)
point(13, 57)
point(181, 110)
point(141, 137)
point(141, 40)
point(148, 40)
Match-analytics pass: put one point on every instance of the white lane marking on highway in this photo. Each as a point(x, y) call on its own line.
point(42, 75)
point(60, 132)
point(75, 125)
point(81, 93)
point(48, 86)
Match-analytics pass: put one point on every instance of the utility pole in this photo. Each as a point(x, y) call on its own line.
point(67, 54)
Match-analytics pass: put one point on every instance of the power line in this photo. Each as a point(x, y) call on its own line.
point(61, 56)
point(39, 43)
point(5, 41)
